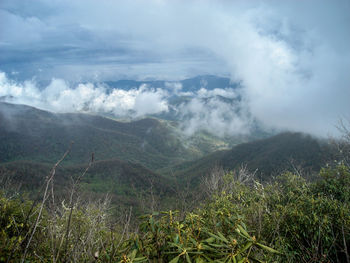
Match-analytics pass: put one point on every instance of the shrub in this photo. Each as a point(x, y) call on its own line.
point(214, 233)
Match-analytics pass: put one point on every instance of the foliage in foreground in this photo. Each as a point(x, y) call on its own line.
point(212, 233)
point(290, 220)
point(307, 222)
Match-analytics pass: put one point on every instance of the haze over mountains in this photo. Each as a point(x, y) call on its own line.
point(211, 103)
point(43, 136)
point(132, 157)
point(142, 132)
point(203, 103)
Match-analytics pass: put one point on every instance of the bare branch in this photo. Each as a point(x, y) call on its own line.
point(48, 181)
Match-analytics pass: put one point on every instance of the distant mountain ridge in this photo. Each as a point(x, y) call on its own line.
point(209, 82)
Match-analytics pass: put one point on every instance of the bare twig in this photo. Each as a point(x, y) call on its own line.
point(125, 231)
point(48, 181)
point(71, 203)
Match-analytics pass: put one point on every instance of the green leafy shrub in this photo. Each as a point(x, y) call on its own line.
point(15, 222)
point(289, 220)
point(214, 233)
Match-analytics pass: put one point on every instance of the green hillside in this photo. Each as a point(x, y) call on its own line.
point(129, 156)
point(30, 134)
point(269, 157)
point(32, 140)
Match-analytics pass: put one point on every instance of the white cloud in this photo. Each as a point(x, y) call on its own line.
point(208, 112)
point(58, 96)
point(292, 63)
point(217, 111)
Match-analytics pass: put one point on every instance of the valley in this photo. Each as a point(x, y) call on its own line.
point(132, 157)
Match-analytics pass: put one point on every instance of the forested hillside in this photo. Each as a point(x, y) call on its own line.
point(31, 134)
point(266, 157)
point(150, 151)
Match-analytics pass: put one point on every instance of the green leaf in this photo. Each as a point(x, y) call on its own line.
point(209, 240)
point(199, 260)
point(248, 245)
point(175, 260)
point(243, 231)
point(269, 249)
point(133, 254)
point(242, 260)
point(257, 260)
point(176, 239)
point(223, 238)
point(218, 238)
point(140, 259)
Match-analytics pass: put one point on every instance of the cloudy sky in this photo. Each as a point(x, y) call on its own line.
point(292, 58)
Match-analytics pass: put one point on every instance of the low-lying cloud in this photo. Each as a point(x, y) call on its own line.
point(292, 58)
point(218, 111)
point(58, 96)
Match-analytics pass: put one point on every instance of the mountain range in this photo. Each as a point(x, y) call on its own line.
point(209, 82)
point(137, 159)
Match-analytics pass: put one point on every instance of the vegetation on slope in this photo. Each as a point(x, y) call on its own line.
point(290, 220)
point(268, 157)
point(30, 134)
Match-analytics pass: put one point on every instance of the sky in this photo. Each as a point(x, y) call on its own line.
point(292, 57)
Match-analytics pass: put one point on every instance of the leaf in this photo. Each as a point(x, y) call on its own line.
point(248, 245)
point(218, 238)
point(218, 245)
point(223, 238)
point(140, 259)
point(243, 231)
point(257, 260)
point(176, 239)
point(243, 260)
point(133, 254)
point(269, 249)
point(175, 260)
point(209, 240)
